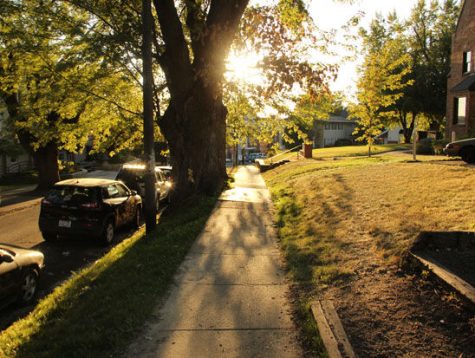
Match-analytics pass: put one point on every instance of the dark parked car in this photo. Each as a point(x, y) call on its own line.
point(464, 148)
point(19, 274)
point(132, 175)
point(88, 207)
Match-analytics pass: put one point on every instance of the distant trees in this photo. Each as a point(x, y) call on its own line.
point(411, 60)
point(383, 78)
point(58, 88)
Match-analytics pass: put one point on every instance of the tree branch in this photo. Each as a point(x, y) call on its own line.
point(85, 90)
point(176, 58)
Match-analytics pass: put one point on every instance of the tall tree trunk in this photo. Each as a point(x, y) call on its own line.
point(194, 123)
point(45, 159)
point(46, 162)
point(407, 132)
point(196, 132)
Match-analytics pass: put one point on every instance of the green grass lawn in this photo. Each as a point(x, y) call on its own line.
point(100, 310)
point(348, 151)
point(327, 211)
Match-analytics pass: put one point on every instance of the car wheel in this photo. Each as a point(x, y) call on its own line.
point(138, 217)
point(108, 233)
point(29, 286)
point(49, 236)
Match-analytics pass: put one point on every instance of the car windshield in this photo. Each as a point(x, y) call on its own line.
point(71, 194)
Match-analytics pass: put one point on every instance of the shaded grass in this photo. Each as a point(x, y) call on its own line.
point(99, 311)
point(337, 217)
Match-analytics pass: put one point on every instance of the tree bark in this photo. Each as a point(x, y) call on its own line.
point(46, 162)
point(194, 124)
point(407, 132)
point(196, 133)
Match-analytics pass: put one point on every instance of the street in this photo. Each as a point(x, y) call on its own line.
point(19, 227)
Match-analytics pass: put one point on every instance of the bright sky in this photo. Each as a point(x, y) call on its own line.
point(328, 15)
point(331, 14)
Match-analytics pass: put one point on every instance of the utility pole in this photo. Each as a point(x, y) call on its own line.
point(148, 125)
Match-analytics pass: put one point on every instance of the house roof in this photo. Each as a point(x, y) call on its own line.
point(339, 119)
point(467, 84)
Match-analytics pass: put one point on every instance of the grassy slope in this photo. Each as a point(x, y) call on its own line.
point(100, 309)
point(348, 151)
point(325, 206)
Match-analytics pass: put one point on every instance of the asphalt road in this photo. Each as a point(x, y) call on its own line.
point(19, 227)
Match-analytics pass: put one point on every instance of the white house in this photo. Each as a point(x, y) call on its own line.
point(328, 132)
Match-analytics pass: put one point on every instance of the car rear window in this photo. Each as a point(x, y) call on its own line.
point(72, 195)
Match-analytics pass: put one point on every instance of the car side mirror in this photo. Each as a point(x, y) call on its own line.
point(6, 258)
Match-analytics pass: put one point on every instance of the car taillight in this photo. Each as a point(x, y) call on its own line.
point(90, 205)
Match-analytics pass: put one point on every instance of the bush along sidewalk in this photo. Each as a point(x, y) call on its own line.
point(100, 310)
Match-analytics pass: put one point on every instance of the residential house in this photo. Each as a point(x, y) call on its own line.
point(337, 127)
point(461, 81)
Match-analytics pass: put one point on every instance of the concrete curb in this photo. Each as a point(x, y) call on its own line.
point(331, 330)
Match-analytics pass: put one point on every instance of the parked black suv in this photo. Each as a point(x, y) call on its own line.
point(88, 207)
point(132, 175)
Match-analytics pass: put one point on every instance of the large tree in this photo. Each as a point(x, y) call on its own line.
point(57, 90)
point(191, 41)
point(426, 37)
point(431, 27)
point(382, 80)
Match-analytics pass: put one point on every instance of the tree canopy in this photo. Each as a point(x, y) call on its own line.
point(59, 91)
point(73, 68)
point(420, 53)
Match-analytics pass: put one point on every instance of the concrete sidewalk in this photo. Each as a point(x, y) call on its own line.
point(230, 296)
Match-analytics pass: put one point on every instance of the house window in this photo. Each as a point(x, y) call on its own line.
point(460, 107)
point(467, 61)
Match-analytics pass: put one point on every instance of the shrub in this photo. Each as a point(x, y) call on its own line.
point(343, 142)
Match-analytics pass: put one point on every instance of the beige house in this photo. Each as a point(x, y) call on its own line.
point(328, 132)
